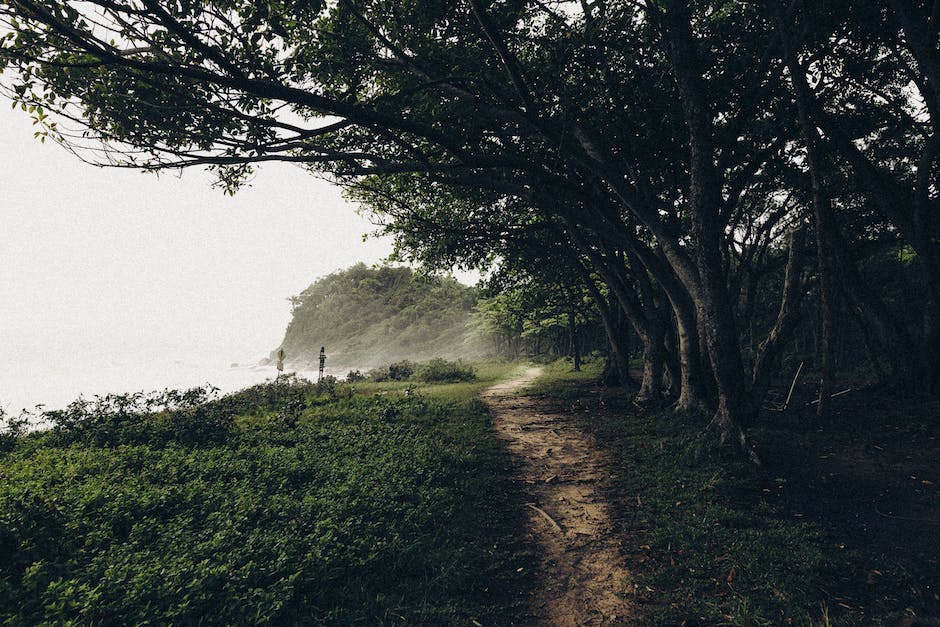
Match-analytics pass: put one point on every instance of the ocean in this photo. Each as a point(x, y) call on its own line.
point(54, 381)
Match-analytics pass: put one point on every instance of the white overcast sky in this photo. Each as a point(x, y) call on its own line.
point(102, 260)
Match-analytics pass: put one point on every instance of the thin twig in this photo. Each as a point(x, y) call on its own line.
point(927, 521)
point(832, 396)
point(786, 403)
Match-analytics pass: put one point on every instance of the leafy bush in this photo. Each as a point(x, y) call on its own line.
point(273, 394)
point(192, 417)
point(401, 370)
point(355, 376)
point(443, 371)
point(12, 428)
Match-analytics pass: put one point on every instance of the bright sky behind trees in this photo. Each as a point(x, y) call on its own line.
point(117, 264)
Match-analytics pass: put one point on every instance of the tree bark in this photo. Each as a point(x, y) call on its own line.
point(573, 340)
point(693, 376)
point(647, 328)
point(653, 362)
point(618, 358)
point(787, 319)
point(711, 299)
point(824, 222)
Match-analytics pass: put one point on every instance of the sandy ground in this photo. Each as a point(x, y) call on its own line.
point(582, 577)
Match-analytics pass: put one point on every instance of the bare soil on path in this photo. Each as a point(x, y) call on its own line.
point(582, 579)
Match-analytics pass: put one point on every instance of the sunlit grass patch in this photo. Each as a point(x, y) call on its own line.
point(557, 376)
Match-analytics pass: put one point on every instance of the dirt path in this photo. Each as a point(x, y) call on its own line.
point(582, 577)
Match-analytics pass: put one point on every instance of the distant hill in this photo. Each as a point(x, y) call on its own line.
point(371, 316)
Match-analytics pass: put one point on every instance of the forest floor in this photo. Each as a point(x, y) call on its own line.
point(580, 576)
point(839, 527)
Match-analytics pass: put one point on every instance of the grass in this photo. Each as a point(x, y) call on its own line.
point(313, 506)
point(487, 374)
point(558, 378)
point(714, 542)
point(711, 551)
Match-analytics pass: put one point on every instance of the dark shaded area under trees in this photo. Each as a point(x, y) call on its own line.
point(722, 178)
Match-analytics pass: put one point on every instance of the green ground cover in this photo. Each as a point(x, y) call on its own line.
point(281, 504)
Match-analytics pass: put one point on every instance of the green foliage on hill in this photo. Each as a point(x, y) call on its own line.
point(304, 504)
point(371, 316)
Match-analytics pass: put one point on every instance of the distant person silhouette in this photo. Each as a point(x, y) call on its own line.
point(322, 362)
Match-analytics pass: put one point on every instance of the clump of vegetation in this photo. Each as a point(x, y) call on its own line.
point(444, 371)
point(401, 370)
point(288, 502)
point(437, 370)
point(398, 371)
point(12, 428)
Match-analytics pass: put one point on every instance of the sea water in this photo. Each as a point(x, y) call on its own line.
point(55, 380)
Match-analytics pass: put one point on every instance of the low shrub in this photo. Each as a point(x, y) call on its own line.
point(273, 394)
point(444, 371)
point(12, 428)
point(378, 375)
point(355, 376)
point(401, 370)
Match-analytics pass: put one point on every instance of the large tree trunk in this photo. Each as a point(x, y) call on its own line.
point(931, 333)
point(693, 388)
point(618, 362)
point(656, 323)
point(711, 299)
point(575, 345)
point(826, 317)
point(651, 385)
point(825, 226)
point(647, 328)
point(671, 377)
point(693, 377)
point(787, 318)
point(929, 263)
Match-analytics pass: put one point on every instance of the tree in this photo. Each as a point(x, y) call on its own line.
point(659, 143)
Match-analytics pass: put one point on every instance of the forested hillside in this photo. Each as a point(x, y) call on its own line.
point(367, 317)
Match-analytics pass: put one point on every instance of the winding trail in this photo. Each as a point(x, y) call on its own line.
point(582, 578)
